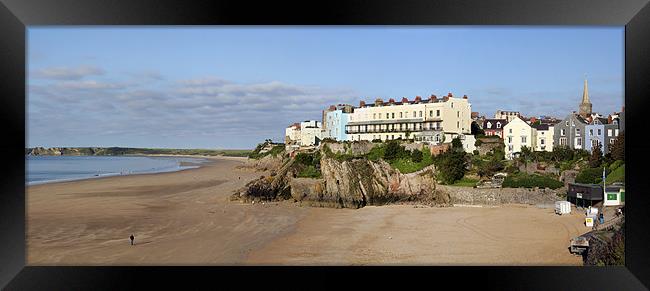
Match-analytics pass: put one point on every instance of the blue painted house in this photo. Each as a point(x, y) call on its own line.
point(336, 120)
point(599, 132)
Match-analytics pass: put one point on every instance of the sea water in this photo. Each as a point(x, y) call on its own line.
point(47, 169)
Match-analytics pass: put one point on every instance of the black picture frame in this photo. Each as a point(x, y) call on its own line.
point(16, 15)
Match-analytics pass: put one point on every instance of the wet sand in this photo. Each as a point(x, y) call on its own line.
point(186, 218)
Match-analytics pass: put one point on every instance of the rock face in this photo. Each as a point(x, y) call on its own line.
point(496, 196)
point(268, 162)
point(355, 148)
point(346, 184)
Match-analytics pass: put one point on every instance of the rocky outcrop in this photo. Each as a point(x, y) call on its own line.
point(351, 147)
point(346, 184)
point(265, 163)
point(496, 196)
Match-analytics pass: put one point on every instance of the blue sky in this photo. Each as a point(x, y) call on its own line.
point(232, 87)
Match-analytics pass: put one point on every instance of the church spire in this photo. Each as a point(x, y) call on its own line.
point(585, 93)
point(585, 105)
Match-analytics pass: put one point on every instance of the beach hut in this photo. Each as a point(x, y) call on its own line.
point(584, 195)
point(614, 195)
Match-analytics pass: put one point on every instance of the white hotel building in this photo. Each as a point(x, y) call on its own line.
point(435, 120)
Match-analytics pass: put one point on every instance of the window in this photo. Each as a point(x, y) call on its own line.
point(616, 132)
point(510, 147)
point(393, 115)
point(612, 140)
point(577, 132)
point(510, 130)
point(498, 124)
point(562, 132)
point(591, 132)
point(457, 113)
point(510, 139)
point(452, 104)
point(563, 141)
point(599, 132)
point(523, 139)
point(420, 114)
point(438, 112)
point(414, 114)
point(379, 115)
point(573, 123)
point(541, 141)
point(594, 143)
point(579, 141)
point(374, 116)
point(400, 115)
point(566, 123)
point(457, 124)
point(430, 113)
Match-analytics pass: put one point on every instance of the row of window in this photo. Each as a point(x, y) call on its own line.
point(405, 114)
point(591, 132)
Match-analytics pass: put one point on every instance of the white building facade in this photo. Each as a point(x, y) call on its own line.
point(516, 134)
point(434, 120)
point(311, 133)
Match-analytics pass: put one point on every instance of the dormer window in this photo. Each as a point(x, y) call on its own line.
point(498, 124)
point(489, 124)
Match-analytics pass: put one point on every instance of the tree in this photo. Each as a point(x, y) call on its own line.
point(453, 167)
point(617, 149)
point(407, 133)
point(394, 150)
point(596, 157)
point(525, 155)
point(476, 130)
point(456, 144)
point(416, 156)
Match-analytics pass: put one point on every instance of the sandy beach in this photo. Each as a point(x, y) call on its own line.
point(186, 218)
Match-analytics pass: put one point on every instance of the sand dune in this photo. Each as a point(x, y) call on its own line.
point(186, 218)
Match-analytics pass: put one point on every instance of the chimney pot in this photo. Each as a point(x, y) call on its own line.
point(464, 96)
point(405, 100)
point(449, 95)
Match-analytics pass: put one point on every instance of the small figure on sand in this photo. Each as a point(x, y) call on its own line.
point(132, 238)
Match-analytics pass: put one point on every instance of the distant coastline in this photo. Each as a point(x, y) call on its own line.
point(123, 151)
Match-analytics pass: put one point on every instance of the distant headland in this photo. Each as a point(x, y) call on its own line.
point(120, 151)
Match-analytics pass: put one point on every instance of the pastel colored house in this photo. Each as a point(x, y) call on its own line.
point(494, 127)
point(517, 134)
point(599, 133)
point(544, 135)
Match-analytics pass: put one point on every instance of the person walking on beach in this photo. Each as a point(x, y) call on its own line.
point(132, 238)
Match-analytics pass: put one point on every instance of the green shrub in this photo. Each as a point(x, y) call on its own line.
point(530, 181)
point(618, 175)
point(591, 176)
point(452, 166)
point(309, 172)
point(613, 166)
point(416, 156)
point(465, 182)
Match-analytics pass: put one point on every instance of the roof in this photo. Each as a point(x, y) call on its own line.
point(540, 126)
point(493, 123)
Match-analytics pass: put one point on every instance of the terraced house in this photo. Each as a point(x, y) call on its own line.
point(570, 132)
point(601, 133)
point(433, 120)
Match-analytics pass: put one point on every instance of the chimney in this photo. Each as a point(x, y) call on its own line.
point(433, 98)
point(391, 101)
point(464, 96)
point(449, 95)
point(362, 103)
point(405, 100)
point(609, 119)
point(379, 102)
point(418, 99)
point(332, 107)
point(446, 98)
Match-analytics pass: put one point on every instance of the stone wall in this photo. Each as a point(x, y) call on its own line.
point(496, 196)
